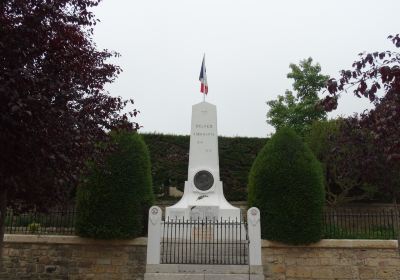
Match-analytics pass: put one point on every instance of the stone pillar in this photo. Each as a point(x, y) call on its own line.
point(254, 230)
point(154, 235)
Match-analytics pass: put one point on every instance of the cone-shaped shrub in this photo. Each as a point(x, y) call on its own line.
point(114, 198)
point(286, 184)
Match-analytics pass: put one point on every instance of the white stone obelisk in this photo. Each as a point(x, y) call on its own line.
point(203, 195)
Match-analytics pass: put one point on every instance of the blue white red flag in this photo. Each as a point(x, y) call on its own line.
point(203, 77)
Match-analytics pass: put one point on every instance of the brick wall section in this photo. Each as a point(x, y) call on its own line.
point(333, 259)
point(73, 258)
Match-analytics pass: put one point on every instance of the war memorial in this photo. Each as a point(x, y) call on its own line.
point(203, 236)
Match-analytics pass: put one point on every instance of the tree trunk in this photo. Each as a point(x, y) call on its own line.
point(3, 209)
point(396, 219)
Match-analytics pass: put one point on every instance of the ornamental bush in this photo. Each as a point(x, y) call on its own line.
point(114, 198)
point(286, 184)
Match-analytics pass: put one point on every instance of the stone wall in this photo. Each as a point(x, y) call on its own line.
point(333, 259)
point(73, 258)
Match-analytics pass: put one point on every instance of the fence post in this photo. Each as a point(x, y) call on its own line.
point(154, 235)
point(254, 229)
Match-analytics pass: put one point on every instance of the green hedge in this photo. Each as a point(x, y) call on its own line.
point(286, 184)
point(170, 155)
point(113, 200)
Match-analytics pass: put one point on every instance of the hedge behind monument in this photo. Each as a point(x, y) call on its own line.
point(286, 184)
point(113, 200)
point(170, 156)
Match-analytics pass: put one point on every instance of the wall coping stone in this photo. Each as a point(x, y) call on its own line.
point(339, 243)
point(65, 239)
point(142, 241)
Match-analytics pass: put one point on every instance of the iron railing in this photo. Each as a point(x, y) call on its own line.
point(204, 242)
point(359, 223)
point(339, 223)
point(58, 223)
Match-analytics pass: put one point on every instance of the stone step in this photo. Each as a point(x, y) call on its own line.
point(201, 272)
point(192, 276)
point(194, 268)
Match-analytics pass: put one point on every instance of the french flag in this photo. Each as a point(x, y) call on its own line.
point(203, 77)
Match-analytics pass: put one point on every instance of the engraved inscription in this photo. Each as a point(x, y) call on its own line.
point(204, 126)
point(203, 134)
point(203, 130)
point(204, 212)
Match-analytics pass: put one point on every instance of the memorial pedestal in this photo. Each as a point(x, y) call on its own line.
point(203, 196)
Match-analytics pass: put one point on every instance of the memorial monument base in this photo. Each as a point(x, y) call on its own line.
point(201, 272)
point(210, 206)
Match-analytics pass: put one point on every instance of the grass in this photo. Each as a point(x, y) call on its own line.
point(374, 232)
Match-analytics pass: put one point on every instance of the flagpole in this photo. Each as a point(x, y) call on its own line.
point(204, 75)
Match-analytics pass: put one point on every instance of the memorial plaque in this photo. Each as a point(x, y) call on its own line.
point(203, 180)
point(176, 214)
point(204, 212)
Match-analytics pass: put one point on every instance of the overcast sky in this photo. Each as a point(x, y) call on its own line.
point(249, 46)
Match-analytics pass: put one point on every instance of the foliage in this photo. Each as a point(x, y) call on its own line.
point(335, 144)
point(286, 184)
point(299, 112)
point(34, 227)
point(114, 198)
point(337, 232)
point(53, 106)
point(376, 76)
point(170, 156)
point(371, 74)
point(49, 219)
point(169, 160)
point(319, 136)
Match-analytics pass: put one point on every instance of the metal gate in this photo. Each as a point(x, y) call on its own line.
point(204, 242)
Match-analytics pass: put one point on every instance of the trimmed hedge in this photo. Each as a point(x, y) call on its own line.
point(113, 200)
point(286, 184)
point(170, 157)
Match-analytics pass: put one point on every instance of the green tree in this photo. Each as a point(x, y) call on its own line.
point(299, 111)
point(286, 184)
point(114, 198)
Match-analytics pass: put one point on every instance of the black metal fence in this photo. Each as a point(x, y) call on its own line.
point(339, 223)
point(359, 223)
point(204, 242)
point(58, 223)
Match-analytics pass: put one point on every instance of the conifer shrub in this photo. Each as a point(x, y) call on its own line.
point(114, 197)
point(286, 184)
